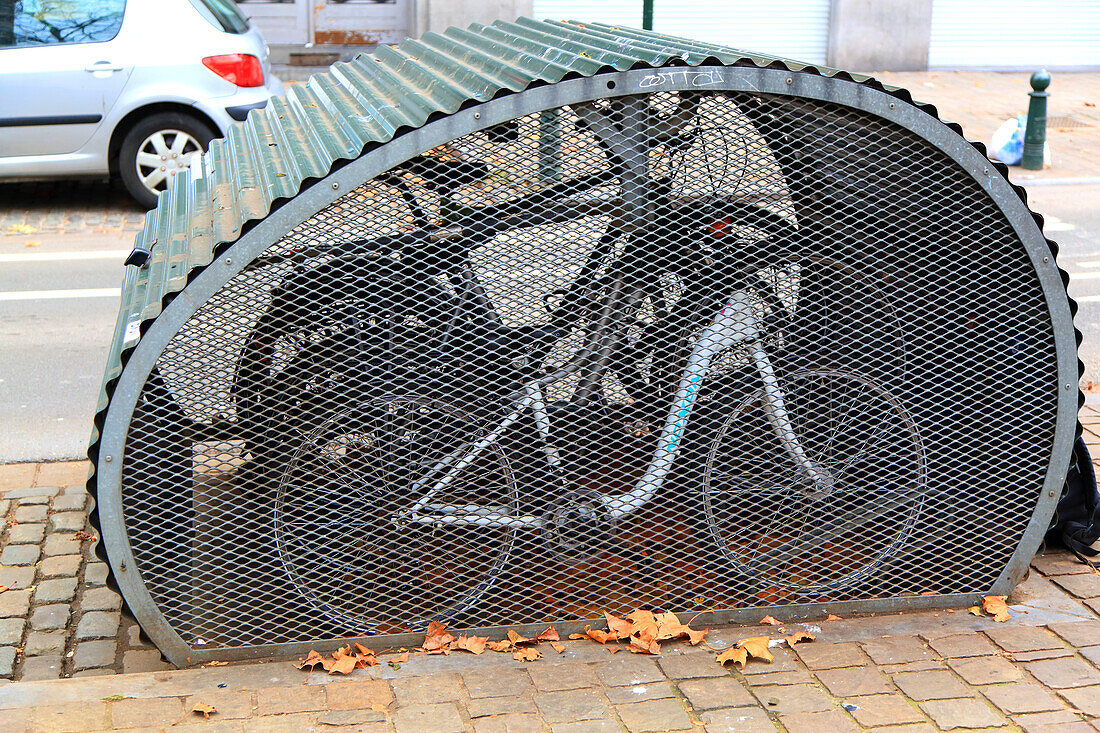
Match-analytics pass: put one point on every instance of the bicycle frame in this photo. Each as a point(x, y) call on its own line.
point(736, 323)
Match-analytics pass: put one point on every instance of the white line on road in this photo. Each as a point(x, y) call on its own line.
point(61, 294)
point(1087, 299)
point(1084, 276)
point(1089, 263)
point(110, 254)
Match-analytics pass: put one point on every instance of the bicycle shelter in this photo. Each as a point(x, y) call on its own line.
point(520, 323)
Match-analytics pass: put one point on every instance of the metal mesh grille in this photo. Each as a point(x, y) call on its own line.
point(680, 351)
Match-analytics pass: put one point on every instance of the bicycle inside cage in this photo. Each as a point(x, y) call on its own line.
point(680, 350)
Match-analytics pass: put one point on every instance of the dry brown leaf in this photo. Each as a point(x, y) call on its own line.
point(975, 611)
point(401, 658)
point(437, 639)
point(551, 634)
point(833, 617)
point(578, 636)
point(735, 655)
point(644, 623)
point(341, 665)
point(312, 660)
point(644, 646)
point(996, 607)
point(620, 627)
point(215, 663)
point(204, 709)
point(757, 647)
point(769, 621)
point(475, 644)
point(798, 637)
point(500, 646)
point(527, 654)
point(559, 648)
point(517, 639)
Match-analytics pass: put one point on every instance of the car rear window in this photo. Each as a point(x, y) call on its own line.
point(44, 22)
point(223, 14)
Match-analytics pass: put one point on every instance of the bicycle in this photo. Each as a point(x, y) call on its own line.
point(419, 473)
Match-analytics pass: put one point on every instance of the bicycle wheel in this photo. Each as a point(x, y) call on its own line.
point(337, 507)
point(776, 527)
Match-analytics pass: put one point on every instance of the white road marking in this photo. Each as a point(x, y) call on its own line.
point(1084, 276)
point(61, 294)
point(1087, 298)
point(1089, 263)
point(107, 254)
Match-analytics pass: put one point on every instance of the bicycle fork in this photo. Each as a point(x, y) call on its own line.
point(736, 323)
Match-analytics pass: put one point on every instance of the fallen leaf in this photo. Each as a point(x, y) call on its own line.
point(516, 639)
point(527, 654)
point(735, 655)
point(798, 637)
point(475, 644)
point(559, 648)
point(621, 627)
point(551, 634)
point(644, 646)
point(578, 636)
point(974, 610)
point(215, 663)
point(769, 621)
point(757, 647)
point(22, 229)
point(204, 709)
point(311, 661)
point(834, 617)
point(505, 645)
point(996, 607)
point(3, 588)
point(437, 639)
point(401, 658)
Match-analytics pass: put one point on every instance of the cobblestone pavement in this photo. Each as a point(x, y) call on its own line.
point(67, 207)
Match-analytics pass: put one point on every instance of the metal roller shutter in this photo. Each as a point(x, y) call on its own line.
point(797, 29)
point(1014, 34)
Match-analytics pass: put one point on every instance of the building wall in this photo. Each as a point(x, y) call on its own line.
point(437, 15)
point(879, 35)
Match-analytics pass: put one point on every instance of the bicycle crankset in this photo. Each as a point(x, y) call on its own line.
point(580, 526)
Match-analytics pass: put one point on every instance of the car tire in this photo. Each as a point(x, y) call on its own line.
point(171, 136)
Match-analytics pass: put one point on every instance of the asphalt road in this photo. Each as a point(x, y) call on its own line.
point(59, 300)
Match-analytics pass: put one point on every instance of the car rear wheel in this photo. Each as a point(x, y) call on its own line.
point(156, 150)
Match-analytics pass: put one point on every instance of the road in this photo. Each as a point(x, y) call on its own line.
point(59, 299)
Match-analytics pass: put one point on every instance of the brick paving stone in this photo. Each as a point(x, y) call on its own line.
point(438, 718)
point(38, 498)
point(687, 666)
point(918, 728)
point(1024, 639)
point(26, 534)
point(91, 654)
point(873, 711)
point(562, 707)
point(62, 473)
point(565, 676)
point(95, 573)
point(60, 566)
point(648, 691)
point(1094, 604)
point(229, 704)
point(496, 682)
point(17, 475)
point(297, 699)
point(16, 577)
point(97, 625)
point(986, 670)
point(1021, 697)
point(145, 712)
point(55, 590)
point(359, 694)
point(70, 502)
point(47, 618)
point(896, 650)
point(962, 713)
point(737, 720)
point(290, 723)
point(61, 544)
point(783, 699)
point(14, 603)
point(588, 726)
point(1061, 721)
point(912, 666)
point(798, 677)
point(829, 656)
point(143, 660)
point(30, 513)
point(509, 724)
point(1058, 563)
point(785, 661)
point(931, 685)
point(97, 672)
point(32, 492)
point(853, 681)
point(654, 716)
point(20, 555)
point(76, 716)
point(483, 706)
point(422, 690)
point(68, 521)
point(1041, 654)
point(632, 670)
point(342, 717)
point(1085, 699)
point(11, 631)
point(831, 721)
point(721, 693)
point(7, 661)
point(42, 643)
point(1078, 633)
point(1091, 653)
point(962, 645)
point(41, 668)
point(1063, 673)
point(1085, 585)
point(100, 599)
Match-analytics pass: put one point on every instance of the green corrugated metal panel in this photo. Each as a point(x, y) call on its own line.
point(337, 114)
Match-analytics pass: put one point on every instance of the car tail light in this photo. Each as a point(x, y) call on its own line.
point(241, 69)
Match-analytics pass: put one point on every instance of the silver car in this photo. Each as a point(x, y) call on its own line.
point(133, 88)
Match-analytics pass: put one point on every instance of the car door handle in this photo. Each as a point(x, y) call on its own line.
point(103, 66)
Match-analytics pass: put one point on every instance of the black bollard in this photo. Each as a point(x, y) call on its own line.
point(1035, 136)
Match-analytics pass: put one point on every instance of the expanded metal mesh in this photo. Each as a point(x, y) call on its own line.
point(677, 351)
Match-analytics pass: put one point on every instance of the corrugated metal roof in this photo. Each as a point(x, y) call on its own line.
point(339, 114)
